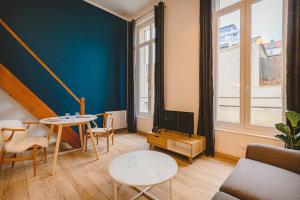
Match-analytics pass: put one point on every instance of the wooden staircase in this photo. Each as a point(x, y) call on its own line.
point(25, 97)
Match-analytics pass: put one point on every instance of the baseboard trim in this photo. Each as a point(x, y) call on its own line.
point(121, 130)
point(227, 156)
point(142, 133)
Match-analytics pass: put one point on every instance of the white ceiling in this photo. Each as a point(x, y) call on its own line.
point(124, 8)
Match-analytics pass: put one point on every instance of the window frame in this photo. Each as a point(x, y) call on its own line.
point(245, 126)
point(142, 23)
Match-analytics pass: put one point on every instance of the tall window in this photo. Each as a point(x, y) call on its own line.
point(249, 65)
point(145, 58)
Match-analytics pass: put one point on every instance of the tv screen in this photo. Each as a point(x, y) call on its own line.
point(179, 121)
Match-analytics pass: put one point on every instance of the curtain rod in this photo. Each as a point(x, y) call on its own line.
point(148, 12)
point(144, 14)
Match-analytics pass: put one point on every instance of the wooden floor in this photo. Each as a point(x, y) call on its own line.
point(79, 176)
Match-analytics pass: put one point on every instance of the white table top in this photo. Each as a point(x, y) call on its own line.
point(143, 168)
point(62, 120)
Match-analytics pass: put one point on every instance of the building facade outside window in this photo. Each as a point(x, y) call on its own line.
point(249, 63)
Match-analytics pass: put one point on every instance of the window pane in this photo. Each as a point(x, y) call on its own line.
point(228, 69)
point(144, 34)
point(266, 63)
point(153, 31)
point(143, 79)
point(224, 3)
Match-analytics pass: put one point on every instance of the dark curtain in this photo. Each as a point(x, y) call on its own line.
point(131, 118)
point(159, 67)
point(205, 119)
point(293, 56)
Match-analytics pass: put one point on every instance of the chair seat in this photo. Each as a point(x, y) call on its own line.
point(26, 143)
point(100, 130)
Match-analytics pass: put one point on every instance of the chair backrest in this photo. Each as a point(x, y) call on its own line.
point(6, 134)
point(108, 121)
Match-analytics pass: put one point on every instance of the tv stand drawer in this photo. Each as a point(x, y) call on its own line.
point(178, 143)
point(157, 140)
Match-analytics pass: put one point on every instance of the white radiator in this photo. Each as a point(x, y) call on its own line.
point(120, 120)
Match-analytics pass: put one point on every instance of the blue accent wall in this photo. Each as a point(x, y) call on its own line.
point(83, 45)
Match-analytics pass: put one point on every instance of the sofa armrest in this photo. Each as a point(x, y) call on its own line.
point(276, 156)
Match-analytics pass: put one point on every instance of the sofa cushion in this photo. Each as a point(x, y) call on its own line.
point(223, 196)
point(277, 156)
point(253, 180)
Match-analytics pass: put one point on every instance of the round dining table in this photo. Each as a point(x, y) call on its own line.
point(68, 121)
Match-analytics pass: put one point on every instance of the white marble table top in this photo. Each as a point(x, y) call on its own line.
point(62, 120)
point(143, 168)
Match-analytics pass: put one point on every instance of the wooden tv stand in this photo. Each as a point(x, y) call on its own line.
point(178, 143)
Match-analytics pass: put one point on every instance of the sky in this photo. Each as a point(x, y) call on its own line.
point(266, 19)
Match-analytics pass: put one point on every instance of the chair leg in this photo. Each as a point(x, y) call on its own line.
point(97, 137)
point(13, 162)
point(45, 154)
point(112, 138)
point(86, 140)
point(107, 141)
point(34, 159)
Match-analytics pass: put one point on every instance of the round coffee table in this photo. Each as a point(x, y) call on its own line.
point(142, 170)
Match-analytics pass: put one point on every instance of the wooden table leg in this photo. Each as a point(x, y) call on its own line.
point(50, 132)
point(107, 141)
point(81, 137)
point(86, 140)
point(56, 149)
point(34, 159)
point(93, 140)
point(115, 191)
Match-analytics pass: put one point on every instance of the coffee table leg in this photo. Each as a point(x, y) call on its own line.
point(115, 191)
point(144, 191)
point(170, 189)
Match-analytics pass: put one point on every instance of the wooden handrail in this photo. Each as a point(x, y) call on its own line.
point(82, 106)
point(41, 63)
point(32, 103)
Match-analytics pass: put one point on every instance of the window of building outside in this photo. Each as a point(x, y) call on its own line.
point(145, 60)
point(249, 69)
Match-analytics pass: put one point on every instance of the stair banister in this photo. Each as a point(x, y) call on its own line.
point(80, 101)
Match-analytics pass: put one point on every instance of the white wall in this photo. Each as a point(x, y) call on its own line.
point(181, 59)
point(144, 124)
point(235, 143)
point(10, 109)
point(182, 56)
point(182, 74)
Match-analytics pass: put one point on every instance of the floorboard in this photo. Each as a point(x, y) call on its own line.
point(79, 176)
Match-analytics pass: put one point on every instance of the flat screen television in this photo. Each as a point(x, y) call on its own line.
point(179, 121)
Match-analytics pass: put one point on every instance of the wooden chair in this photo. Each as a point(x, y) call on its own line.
point(15, 139)
point(107, 129)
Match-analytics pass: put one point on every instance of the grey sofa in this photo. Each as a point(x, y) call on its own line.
point(266, 173)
